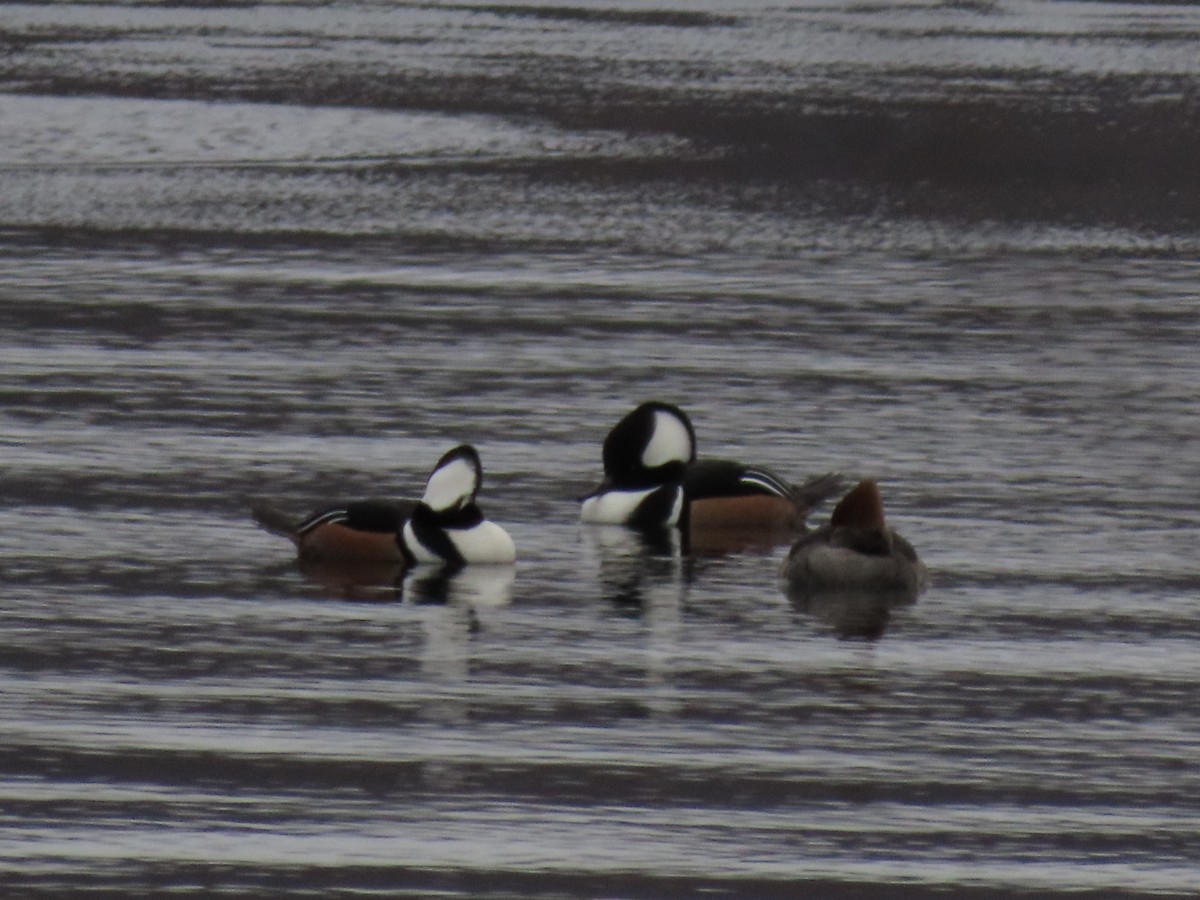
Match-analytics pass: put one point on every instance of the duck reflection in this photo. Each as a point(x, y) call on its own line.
point(717, 539)
point(448, 603)
point(645, 575)
point(477, 587)
point(445, 602)
point(851, 614)
point(638, 569)
point(358, 581)
point(367, 581)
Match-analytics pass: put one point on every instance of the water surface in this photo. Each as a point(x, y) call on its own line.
point(301, 250)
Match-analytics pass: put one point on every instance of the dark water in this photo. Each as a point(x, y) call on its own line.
point(300, 250)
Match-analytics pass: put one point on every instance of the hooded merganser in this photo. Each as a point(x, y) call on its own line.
point(445, 525)
point(652, 479)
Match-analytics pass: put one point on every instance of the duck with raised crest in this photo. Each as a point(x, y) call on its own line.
point(856, 551)
point(445, 525)
point(652, 479)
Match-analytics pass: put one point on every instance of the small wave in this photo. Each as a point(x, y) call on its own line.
point(670, 18)
point(990, 141)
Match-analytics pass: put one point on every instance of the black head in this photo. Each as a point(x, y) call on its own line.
point(651, 445)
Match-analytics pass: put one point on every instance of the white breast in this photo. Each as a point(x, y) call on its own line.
point(487, 542)
point(618, 507)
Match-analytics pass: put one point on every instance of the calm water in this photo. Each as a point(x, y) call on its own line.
point(300, 250)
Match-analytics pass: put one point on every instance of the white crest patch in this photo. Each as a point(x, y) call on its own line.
point(451, 485)
point(670, 442)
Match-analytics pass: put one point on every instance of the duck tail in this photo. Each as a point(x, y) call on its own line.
point(816, 490)
point(273, 519)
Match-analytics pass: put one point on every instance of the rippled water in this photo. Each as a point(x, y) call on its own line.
point(300, 250)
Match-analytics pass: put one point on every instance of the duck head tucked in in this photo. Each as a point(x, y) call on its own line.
point(645, 457)
point(857, 521)
point(447, 526)
point(652, 479)
point(857, 550)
